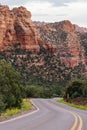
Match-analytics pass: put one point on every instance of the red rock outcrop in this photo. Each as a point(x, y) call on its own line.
point(80, 29)
point(68, 45)
point(66, 25)
point(60, 38)
point(16, 27)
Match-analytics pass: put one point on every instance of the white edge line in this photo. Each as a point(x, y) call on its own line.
point(25, 115)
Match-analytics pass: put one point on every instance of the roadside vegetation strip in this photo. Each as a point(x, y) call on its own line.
point(73, 105)
point(26, 105)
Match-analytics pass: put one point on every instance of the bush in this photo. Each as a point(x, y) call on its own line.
point(76, 88)
point(34, 91)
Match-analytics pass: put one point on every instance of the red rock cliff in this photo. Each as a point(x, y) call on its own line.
point(68, 44)
point(16, 27)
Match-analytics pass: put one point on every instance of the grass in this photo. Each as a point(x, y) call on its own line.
point(26, 105)
point(72, 104)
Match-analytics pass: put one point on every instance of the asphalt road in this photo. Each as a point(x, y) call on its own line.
point(49, 115)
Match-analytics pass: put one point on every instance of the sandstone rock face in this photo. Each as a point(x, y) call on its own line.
point(60, 38)
point(16, 27)
point(51, 51)
point(66, 25)
point(68, 43)
point(81, 29)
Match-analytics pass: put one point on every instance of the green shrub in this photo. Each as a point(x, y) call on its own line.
point(26, 105)
point(76, 88)
point(11, 112)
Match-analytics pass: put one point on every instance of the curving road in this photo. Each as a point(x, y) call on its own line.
point(49, 115)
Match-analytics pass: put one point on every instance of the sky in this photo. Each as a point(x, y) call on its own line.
point(54, 10)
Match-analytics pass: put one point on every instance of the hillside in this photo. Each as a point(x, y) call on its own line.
point(46, 54)
point(67, 40)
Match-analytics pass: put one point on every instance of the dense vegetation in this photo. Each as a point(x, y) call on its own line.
point(76, 88)
point(10, 90)
point(42, 74)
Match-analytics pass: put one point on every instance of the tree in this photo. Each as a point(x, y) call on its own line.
point(2, 104)
point(77, 88)
point(84, 90)
point(10, 89)
point(74, 89)
point(34, 91)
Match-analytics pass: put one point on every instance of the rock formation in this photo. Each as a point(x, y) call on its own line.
point(63, 39)
point(80, 29)
point(49, 52)
point(16, 27)
point(65, 36)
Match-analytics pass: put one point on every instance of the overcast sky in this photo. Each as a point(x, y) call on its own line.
point(54, 10)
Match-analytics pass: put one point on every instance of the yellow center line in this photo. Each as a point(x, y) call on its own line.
point(78, 119)
point(75, 123)
point(80, 124)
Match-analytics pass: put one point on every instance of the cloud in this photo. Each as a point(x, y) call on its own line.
point(13, 2)
point(59, 3)
point(78, 13)
point(46, 11)
point(54, 10)
point(54, 2)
